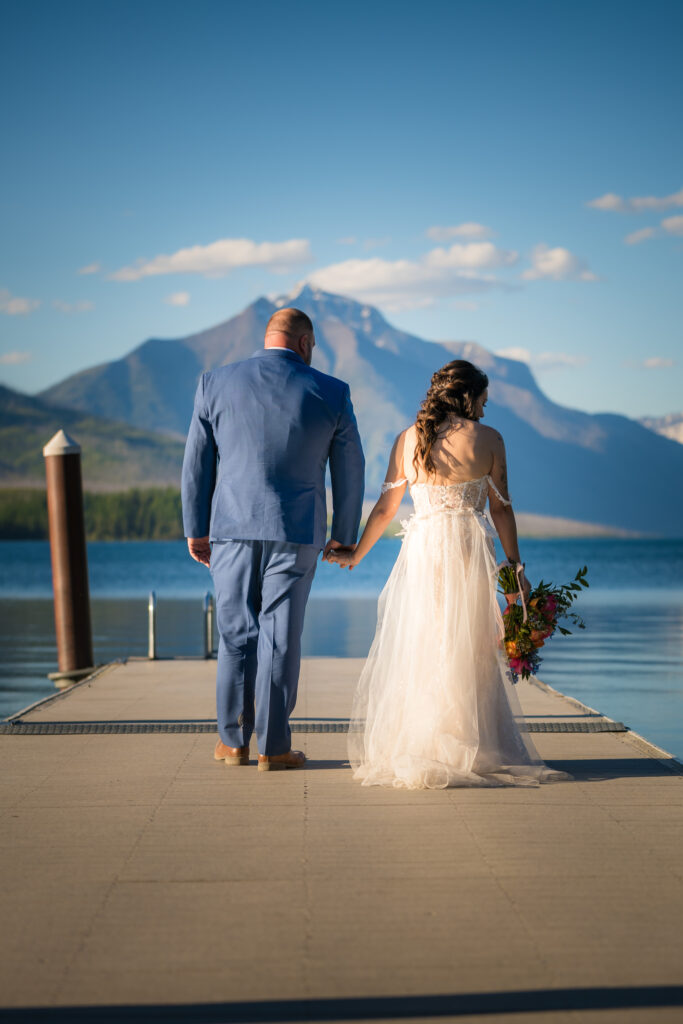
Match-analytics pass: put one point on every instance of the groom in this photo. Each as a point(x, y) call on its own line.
point(253, 490)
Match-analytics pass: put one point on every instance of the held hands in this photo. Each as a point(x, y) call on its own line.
point(340, 555)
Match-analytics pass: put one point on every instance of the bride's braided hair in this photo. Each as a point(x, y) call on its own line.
point(454, 391)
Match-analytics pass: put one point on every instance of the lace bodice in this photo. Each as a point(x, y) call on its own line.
point(467, 496)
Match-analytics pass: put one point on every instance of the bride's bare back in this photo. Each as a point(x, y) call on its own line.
point(464, 450)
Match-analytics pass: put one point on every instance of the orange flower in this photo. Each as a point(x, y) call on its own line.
point(511, 648)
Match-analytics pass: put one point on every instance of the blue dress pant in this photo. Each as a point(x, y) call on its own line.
point(261, 591)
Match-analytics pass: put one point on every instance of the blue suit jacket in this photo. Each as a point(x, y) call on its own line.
point(261, 434)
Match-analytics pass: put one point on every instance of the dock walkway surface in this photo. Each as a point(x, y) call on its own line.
point(142, 881)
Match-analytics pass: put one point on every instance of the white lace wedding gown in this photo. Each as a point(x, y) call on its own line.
point(435, 705)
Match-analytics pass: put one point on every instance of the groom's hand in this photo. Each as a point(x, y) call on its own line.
point(200, 549)
point(334, 545)
point(345, 558)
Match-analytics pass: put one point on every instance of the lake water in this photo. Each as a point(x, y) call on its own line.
point(628, 663)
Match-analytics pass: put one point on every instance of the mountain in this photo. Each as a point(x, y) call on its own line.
point(668, 426)
point(604, 469)
point(153, 386)
point(114, 455)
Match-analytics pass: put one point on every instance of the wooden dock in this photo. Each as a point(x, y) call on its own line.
point(142, 881)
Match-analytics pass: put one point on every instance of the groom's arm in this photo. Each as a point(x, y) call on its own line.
point(199, 471)
point(347, 470)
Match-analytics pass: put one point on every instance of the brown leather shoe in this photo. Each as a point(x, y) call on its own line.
point(231, 755)
point(279, 762)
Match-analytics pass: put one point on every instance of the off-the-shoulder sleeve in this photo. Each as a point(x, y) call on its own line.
point(497, 493)
point(389, 486)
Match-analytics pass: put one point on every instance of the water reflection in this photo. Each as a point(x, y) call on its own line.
point(628, 663)
point(334, 627)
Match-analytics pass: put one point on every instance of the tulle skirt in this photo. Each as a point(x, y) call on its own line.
point(435, 704)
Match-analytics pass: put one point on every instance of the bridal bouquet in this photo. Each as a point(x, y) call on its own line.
point(529, 624)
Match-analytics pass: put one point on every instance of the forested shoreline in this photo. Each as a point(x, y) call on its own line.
point(140, 513)
point(154, 513)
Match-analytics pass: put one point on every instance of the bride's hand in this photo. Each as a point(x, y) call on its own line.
point(345, 558)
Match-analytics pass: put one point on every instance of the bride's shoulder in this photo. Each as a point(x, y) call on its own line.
point(405, 439)
point(490, 435)
point(402, 451)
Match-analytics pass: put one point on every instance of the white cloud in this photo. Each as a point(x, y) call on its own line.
point(411, 284)
point(91, 268)
point(218, 258)
point(636, 237)
point(657, 363)
point(673, 225)
point(611, 201)
point(557, 264)
point(472, 255)
point(178, 299)
point(15, 358)
point(466, 304)
point(522, 355)
point(460, 269)
point(656, 202)
point(12, 305)
point(470, 229)
point(347, 240)
point(82, 306)
point(398, 284)
point(544, 360)
point(669, 226)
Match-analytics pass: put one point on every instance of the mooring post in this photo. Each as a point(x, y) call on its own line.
point(208, 624)
point(152, 626)
point(69, 559)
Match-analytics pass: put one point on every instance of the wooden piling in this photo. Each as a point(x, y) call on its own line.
point(69, 559)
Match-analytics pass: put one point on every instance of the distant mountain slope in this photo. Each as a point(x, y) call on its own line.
point(114, 455)
point(153, 386)
point(668, 426)
point(597, 469)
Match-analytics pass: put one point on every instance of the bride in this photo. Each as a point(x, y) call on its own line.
point(435, 705)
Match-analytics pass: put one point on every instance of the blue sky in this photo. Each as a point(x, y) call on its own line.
point(504, 172)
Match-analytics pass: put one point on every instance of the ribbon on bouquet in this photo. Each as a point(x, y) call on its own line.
point(519, 572)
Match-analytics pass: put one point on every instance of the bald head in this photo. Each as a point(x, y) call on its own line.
point(289, 321)
point(291, 328)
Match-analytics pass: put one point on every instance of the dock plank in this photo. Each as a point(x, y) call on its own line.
point(136, 872)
